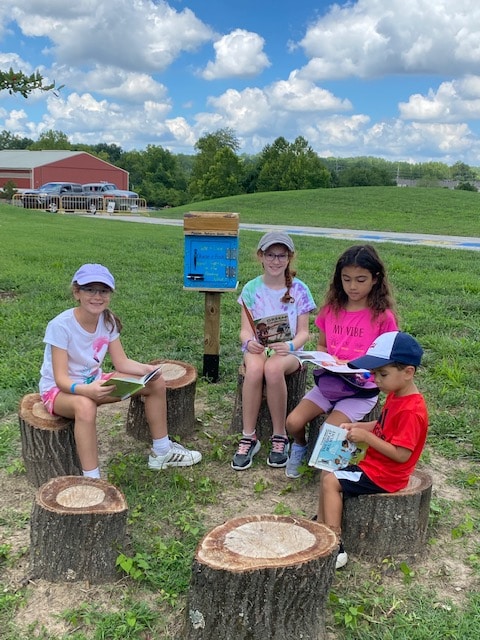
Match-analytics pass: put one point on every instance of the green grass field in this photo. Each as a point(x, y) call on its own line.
point(438, 296)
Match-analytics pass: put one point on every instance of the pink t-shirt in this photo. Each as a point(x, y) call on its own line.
point(350, 333)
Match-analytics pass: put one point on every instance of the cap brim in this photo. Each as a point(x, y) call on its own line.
point(369, 362)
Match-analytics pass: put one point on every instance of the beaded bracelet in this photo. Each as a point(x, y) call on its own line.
point(245, 345)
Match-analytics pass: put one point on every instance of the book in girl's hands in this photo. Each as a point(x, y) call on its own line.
point(333, 451)
point(273, 329)
point(326, 361)
point(127, 385)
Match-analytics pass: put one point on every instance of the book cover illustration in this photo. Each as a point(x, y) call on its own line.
point(326, 361)
point(126, 386)
point(273, 329)
point(333, 451)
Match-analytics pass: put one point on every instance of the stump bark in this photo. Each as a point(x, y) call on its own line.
point(181, 380)
point(77, 530)
point(48, 442)
point(262, 577)
point(389, 524)
point(296, 383)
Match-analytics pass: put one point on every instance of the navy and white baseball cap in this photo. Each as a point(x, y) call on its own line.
point(393, 346)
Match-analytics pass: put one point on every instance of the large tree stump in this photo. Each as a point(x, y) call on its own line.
point(389, 524)
point(181, 380)
point(316, 424)
point(77, 530)
point(262, 577)
point(296, 383)
point(48, 442)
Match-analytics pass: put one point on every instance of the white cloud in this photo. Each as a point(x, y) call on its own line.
point(138, 35)
point(371, 38)
point(237, 55)
point(452, 102)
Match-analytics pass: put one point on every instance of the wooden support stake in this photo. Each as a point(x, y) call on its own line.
point(261, 577)
point(211, 357)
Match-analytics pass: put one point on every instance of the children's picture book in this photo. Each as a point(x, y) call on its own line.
point(270, 329)
point(273, 329)
point(333, 451)
point(326, 361)
point(126, 385)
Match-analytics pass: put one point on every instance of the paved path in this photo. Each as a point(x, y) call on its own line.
point(446, 242)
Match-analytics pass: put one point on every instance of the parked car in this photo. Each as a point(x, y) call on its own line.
point(48, 196)
point(97, 192)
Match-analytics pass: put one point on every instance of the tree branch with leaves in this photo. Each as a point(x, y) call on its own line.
point(19, 82)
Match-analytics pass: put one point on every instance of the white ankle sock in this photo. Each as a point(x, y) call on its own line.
point(161, 446)
point(92, 473)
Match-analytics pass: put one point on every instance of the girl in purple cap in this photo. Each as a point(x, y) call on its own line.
point(275, 321)
point(71, 383)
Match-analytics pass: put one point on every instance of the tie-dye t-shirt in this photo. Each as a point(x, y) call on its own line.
point(262, 301)
point(86, 351)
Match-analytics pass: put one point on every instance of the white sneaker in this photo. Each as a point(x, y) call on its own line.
point(178, 456)
point(342, 558)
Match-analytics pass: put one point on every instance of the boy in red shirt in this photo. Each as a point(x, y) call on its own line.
point(395, 441)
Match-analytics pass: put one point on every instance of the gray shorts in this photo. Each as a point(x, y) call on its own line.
point(354, 408)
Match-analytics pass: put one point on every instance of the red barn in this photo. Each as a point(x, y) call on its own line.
point(31, 169)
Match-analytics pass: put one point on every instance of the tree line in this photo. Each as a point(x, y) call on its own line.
point(217, 170)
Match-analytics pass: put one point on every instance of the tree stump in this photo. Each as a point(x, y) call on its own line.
point(77, 530)
point(389, 524)
point(296, 383)
point(181, 380)
point(48, 442)
point(261, 577)
point(316, 424)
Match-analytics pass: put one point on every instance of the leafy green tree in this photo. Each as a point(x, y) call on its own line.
point(18, 82)
point(465, 186)
point(284, 166)
point(11, 141)
point(51, 139)
point(157, 176)
point(210, 179)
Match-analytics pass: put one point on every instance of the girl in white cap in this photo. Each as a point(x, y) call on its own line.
point(275, 322)
point(71, 384)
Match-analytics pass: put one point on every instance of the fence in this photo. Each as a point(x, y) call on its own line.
point(72, 203)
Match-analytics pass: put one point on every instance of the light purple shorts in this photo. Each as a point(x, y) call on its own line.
point(354, 408)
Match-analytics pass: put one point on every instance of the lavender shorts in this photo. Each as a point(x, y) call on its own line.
point(354, 408)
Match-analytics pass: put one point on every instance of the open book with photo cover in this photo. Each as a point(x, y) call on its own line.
point(273, 329)
point(333, 451)
point(127, 385)
point(324, 360)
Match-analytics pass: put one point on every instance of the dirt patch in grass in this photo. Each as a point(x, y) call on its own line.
point(261, 489)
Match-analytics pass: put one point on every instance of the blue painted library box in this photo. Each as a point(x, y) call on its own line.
point(211, 251)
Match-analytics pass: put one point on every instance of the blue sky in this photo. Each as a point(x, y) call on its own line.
point(397, 79)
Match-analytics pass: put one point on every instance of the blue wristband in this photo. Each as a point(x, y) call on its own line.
point(290, 346)
point(72, 388)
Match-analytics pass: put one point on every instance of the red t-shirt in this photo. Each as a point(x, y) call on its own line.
point(404, 423)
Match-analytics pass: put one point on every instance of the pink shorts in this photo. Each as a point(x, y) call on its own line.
point(354, 408)
point(48, 398)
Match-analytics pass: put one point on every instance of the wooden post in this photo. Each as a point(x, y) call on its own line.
point(392, 525)
point(77, 530)
point(181, 379)
point(48, 442)
point(261, 577)
point(296, 382)
point(211, 357)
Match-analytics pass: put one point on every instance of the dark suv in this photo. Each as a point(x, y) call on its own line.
point(48, 196)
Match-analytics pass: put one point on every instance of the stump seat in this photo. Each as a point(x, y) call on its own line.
point(48, 442)
point(393, 525)
point(261, 577)
point(296, 383)
point(77, 530)
point(180, 378)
